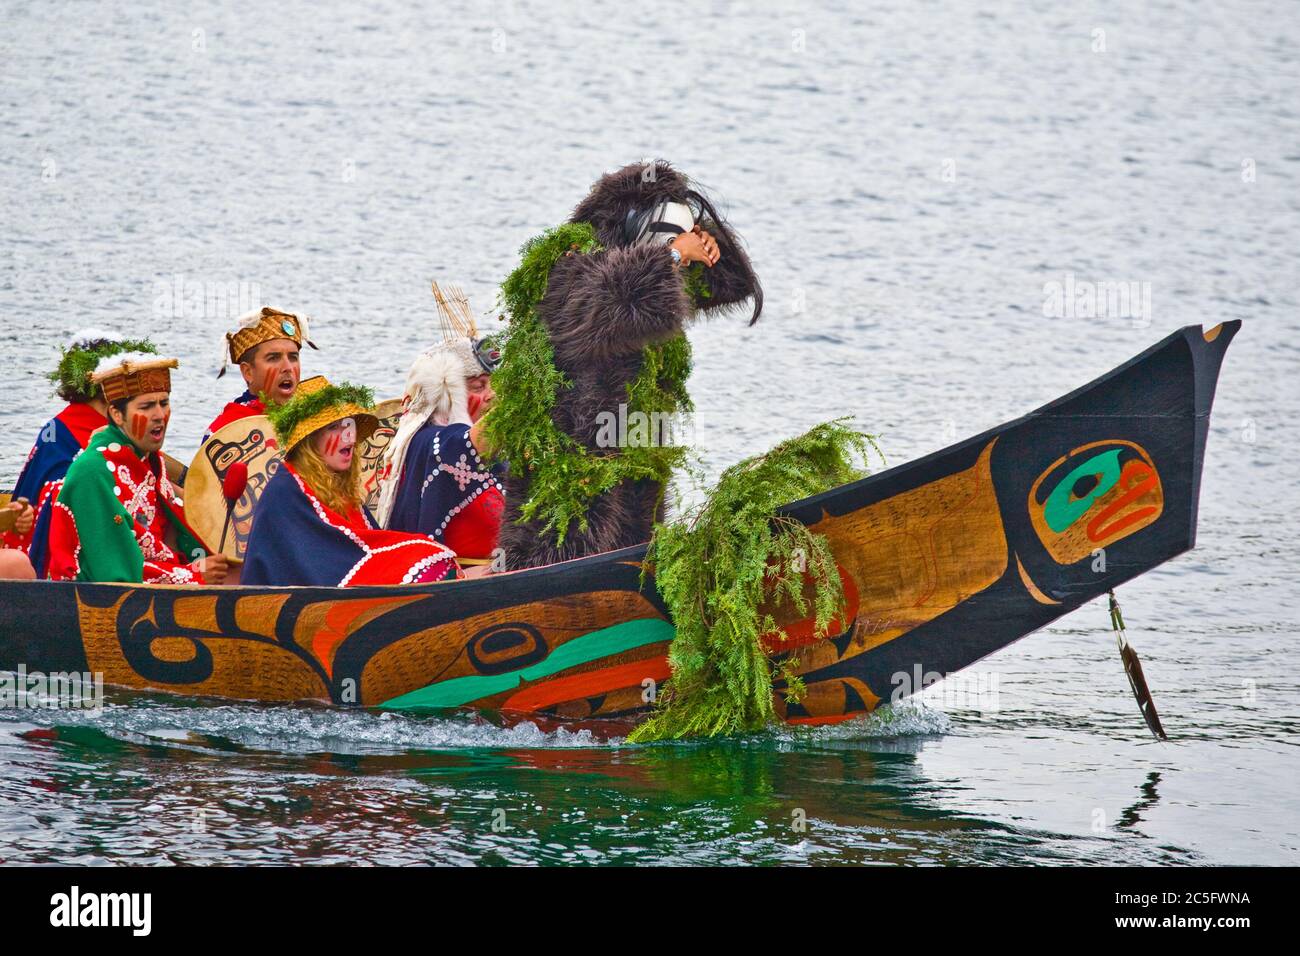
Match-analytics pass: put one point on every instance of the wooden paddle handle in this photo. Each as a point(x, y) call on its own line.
point(176, 472)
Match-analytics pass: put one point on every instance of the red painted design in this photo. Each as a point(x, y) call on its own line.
point(1137, 479)
point(339, 622)
point(800, 633)
point(588, 684)
point(818, 721)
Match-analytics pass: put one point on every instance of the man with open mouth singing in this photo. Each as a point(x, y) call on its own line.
point(265, 344)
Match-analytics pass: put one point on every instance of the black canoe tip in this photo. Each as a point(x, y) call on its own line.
point(1226, 330)
point(1213, 339)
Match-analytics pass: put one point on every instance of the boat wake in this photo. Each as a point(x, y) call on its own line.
point(307, 729)
point(297, 729)
point(909, 718)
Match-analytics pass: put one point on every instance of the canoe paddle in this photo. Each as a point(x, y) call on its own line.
point(176, 472)
point(1133, 667)
point(8, 516)
point(232, 488)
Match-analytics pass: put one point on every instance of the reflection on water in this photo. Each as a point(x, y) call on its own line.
point(1133, 814)
point(131, 785)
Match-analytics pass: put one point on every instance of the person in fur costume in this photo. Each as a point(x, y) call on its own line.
point(657, 253)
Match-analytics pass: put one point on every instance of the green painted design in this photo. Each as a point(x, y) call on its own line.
point(606, 642)
point(1061, 508)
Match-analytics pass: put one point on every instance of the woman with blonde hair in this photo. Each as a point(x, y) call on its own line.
point(310, 526)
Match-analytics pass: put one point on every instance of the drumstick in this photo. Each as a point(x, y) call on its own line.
point(232, 488)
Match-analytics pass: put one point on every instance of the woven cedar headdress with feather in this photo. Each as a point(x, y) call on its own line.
point(258, 326)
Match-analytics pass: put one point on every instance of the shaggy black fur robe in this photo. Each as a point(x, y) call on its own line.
point(600, 311)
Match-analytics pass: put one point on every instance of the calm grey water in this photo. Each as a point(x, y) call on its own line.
point(909, 177)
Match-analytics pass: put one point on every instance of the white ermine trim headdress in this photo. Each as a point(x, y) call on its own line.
point(126, 362)
point(435, 390)
point(83, 338)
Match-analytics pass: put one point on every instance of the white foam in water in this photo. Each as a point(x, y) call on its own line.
point(910, 718)
point(290, 729)
point(296, 729)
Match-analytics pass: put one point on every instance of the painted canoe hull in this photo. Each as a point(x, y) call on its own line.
point(945, 560)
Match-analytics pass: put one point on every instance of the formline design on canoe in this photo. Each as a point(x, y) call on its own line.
point(944, 560)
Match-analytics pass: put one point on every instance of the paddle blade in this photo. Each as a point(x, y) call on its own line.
point(1133, 668)
point(236, 480)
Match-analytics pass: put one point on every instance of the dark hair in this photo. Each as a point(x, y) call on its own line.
point(250, 353)
point(606, 207)
point(120, 405)
point(729, 251)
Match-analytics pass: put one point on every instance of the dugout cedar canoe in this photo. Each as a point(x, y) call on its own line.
point(944, 560)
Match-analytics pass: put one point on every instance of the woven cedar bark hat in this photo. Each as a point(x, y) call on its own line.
point(131, 374)
point(318, 403)
point(263, 325)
